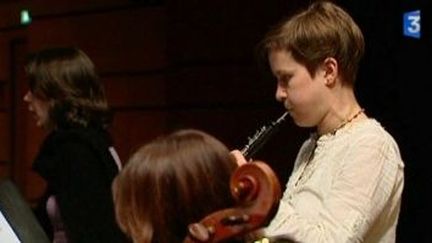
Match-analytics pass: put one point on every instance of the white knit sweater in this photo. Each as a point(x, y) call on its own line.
point(345, 187)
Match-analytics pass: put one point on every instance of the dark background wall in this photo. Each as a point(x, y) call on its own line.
point(185, 63)
point(393, 87)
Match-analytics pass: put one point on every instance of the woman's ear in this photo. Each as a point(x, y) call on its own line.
point(330, 67)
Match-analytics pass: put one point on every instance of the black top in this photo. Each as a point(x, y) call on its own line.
point(79, 169)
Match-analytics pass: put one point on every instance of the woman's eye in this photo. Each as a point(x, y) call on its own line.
point(284, 79)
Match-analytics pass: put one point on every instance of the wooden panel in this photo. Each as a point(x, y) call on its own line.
point(221, 30)
point(4, 96)
point(10, 9)
point(133, 128)
point(34, 187)
point(64, 7)
point(4, 170)
point(9, 15)
point(4, 138)
point(219, 84)
point(135, 91)
point(4, 58)
point(7, 63)
point(120, 41)
point(5, 161)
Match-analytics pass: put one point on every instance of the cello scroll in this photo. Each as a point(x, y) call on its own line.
point(256, 191)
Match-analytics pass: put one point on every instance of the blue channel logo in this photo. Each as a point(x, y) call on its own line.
point(412, 24)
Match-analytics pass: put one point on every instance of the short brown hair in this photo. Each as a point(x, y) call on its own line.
point(323, 30)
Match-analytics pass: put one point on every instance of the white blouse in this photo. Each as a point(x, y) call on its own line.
point(345, 187)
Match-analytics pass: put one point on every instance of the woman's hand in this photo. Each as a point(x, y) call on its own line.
point(240, 159)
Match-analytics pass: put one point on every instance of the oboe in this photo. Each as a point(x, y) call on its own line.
point(261, 136)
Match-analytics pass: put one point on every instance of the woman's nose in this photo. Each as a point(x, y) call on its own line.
point(27, 96)
point(281, 93)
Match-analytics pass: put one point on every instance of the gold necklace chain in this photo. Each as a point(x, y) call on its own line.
point(311, 155)
point(347, 121)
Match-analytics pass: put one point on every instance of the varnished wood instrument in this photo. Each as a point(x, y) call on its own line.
point(257, 192)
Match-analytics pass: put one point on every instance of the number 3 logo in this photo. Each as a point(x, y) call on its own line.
point(411, 24)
